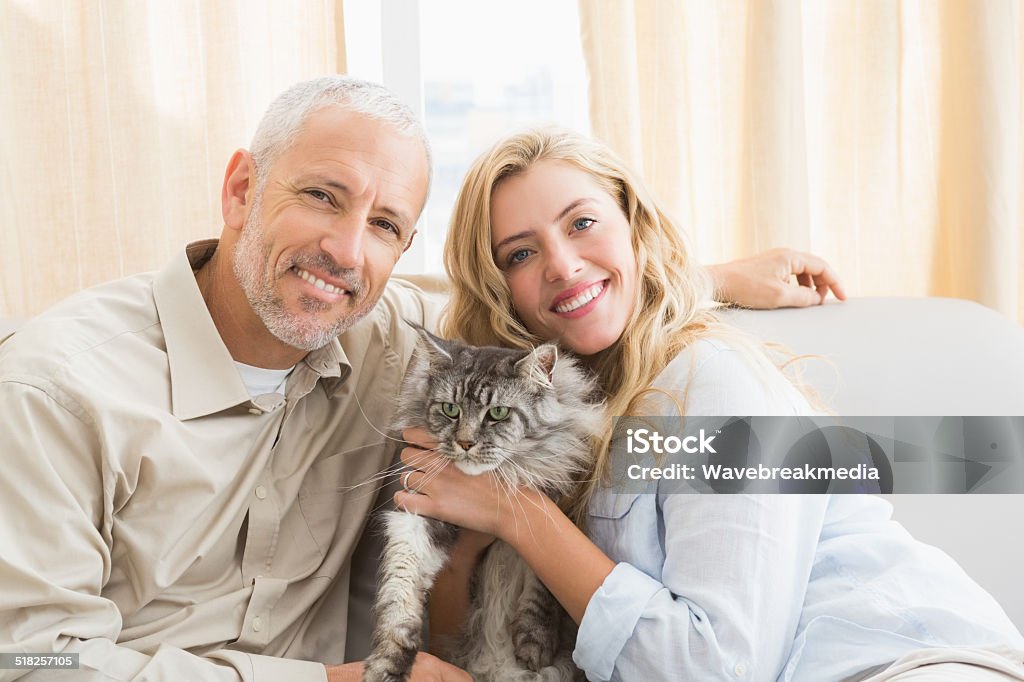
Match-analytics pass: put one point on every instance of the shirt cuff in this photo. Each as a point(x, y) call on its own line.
point(610, 618)
point(273, 669)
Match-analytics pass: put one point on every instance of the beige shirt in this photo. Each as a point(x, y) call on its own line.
point(158, 520)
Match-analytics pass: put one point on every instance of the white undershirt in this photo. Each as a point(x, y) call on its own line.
point(259, 381)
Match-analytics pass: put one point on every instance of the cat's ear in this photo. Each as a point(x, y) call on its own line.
point(539, 365)
point(433, 346)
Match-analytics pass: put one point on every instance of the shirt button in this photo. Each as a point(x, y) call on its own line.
point(257, 624)
point(740, 670)
point(255, 410)
point(261, 492)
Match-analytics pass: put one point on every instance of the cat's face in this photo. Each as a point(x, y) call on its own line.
point(481, 403)
point(522, 414)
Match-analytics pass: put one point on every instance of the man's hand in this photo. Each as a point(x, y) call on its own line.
point(765, 280)
point(427, 668)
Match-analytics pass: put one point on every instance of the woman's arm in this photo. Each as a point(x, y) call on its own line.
point(727, 597)
point(766, 280)
point(449, 600)
point(526, 519)
point(711, 586)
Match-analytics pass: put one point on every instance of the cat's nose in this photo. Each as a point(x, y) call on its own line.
point(465, 444)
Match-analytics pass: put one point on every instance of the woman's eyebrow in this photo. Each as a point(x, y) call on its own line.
point(574, 205)
point(512, 238)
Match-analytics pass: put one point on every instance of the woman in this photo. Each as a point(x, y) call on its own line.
point(552, 238)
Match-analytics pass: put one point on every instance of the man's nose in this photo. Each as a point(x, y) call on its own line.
point(345, 242)
point(562, 262)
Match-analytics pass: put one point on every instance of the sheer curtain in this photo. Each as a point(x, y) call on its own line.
point(117, 119)
point(883, 135)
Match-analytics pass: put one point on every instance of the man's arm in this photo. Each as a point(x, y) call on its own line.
point(56, 528)
point(767, 280)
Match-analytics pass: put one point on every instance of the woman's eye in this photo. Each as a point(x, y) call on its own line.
point(451, 410)
point(498, 413)
point(581, 224)
point(518, 256)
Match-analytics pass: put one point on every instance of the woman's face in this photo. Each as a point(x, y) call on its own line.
point(564, 246)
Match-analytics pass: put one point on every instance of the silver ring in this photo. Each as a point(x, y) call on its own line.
point(405, 480)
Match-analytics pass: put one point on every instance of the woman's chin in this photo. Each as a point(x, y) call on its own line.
point(586, 345)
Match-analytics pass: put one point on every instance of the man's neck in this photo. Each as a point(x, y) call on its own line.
point(246, 337)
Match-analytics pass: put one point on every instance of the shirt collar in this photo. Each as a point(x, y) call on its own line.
point(332, 364)
point(203, 376)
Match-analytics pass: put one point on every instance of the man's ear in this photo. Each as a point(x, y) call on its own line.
point(236, 194)
point(409, 243)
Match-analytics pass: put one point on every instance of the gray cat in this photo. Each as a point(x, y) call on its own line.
point(529, 417)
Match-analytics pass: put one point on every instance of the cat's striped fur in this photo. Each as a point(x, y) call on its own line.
point(516, 630)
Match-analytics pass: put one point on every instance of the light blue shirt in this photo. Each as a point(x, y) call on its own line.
point(801, 588)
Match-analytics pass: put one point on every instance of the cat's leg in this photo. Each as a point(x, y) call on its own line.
point(416, 548)
point(535, 625)
point(563, 669)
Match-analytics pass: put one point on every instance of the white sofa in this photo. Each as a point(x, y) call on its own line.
point(916, 356)
point(922, 356)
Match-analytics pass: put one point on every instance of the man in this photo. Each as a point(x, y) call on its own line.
point(191, 453)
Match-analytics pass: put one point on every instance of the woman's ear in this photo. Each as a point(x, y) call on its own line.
point(236, 194)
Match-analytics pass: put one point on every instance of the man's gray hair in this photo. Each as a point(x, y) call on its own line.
point(285, 116)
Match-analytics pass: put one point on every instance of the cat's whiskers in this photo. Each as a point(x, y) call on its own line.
point(502, 487)
point(535, 481)
point(430, 473)
point(355, 394)
point(392, 470)
point(511, 493)
point(431, 470)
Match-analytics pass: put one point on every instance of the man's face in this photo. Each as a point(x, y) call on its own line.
point(322, 236)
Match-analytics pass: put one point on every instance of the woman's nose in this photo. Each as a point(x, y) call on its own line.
point(562, 262)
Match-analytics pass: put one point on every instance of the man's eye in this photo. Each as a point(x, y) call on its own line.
point(390, 227)
point(581, 224)
point(319, 195)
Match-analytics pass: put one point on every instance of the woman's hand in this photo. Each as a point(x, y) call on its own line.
point(765, 280)
point(438, 489)
point(526, 519)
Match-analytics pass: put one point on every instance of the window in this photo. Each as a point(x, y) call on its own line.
point(475, 72)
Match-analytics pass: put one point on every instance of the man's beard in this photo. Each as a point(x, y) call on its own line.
point(253, 269)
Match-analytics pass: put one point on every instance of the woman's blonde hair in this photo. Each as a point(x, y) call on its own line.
point(674, 291)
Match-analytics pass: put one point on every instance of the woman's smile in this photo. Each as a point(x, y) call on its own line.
point(579, 300)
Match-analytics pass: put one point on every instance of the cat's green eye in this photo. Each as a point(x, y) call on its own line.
point(451, 410)
point(498, 413)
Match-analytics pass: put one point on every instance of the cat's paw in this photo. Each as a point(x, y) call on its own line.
point(379, 669)
point(533, 652)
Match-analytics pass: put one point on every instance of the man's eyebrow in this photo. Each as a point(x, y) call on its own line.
point(403, 220)
point(329, 182)
point(528, 233)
